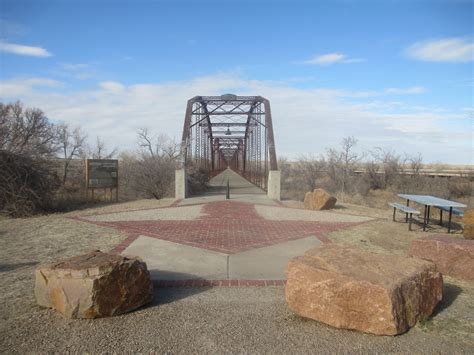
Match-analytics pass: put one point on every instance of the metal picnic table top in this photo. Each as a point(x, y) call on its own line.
point(428, 200)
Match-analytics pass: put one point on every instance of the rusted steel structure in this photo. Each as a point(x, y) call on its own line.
point(230, 131)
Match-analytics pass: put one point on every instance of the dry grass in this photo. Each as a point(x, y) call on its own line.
point(23, 325)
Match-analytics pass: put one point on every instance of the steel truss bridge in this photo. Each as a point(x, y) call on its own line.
point(230, 131)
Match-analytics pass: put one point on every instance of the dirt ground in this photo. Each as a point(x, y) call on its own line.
point(240, 319)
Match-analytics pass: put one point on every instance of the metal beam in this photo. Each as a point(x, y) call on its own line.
point(229, 113)
point(249, 149)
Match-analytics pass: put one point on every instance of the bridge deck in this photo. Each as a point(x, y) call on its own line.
point(238, 184)
point(240, 190)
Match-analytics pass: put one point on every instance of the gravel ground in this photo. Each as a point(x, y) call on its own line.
point(292, 214)
point(184, 320)
point(218, 320)
point(183, 213)
point(122, 206)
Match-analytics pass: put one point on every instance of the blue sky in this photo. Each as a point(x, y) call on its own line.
point(395, 74)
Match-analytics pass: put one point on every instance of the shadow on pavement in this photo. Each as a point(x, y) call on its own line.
point(213, 190)
point(164, 295)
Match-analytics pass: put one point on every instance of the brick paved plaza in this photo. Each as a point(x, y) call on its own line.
point(247, 239)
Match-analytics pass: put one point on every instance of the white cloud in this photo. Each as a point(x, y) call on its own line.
point(25, 87)
point(24, 50)
point(443, 50)
point(76, 66)
point(332, 58)
point(408, 90)
point(112, 86)
point(79, 71)
point(305, 120)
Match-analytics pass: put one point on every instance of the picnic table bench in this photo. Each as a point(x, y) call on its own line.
point(432, 201)
point(406, 209)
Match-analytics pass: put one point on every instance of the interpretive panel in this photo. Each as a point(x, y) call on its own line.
point(102, 173)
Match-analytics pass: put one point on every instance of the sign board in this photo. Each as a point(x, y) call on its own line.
point(102, 173)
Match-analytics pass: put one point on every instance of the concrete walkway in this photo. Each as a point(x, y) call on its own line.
point(240, 190)
point(248, 237)
point(171, 261)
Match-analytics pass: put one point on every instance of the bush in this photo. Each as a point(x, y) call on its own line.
point(27, 185)
point(197, 179)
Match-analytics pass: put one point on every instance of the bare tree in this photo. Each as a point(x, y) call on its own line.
point(384, 168)
point(160, 145)
point(26, 131)
point(99, 151)
point(27, 180)
point(72, 143)
point(342, 162)
point(309, 169)
point(415, 163)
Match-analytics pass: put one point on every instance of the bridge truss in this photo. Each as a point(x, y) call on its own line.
point(230, 131)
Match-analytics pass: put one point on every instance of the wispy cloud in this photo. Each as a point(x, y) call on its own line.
point(408, 90)
point(20, 49)
point(25, 87)
point(305, 120)
point(9, 28)
point(80, 71)
point(443, 50)
point(111, 86)
point(332, 58)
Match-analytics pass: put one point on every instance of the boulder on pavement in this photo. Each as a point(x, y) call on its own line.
point(346, 287)
point(318, 200)
point(93, 285)
point(452, 256)
point(468, 221)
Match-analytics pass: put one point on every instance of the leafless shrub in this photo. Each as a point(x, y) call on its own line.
point(154, 176)
point(27, 141)
point(149, 172)
point(385, 175)
point(27, 185)
point(383, 170)
point(308, 170)
point(197, 179)
point(461, 187)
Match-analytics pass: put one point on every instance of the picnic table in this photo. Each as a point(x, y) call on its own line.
point(433, 201)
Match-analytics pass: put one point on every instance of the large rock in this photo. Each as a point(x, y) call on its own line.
point(353, 289)
point(308, 200)
point(468, 221)
point(468, 217)
point(93, 285)
point(469, 232)
point(319, 199)
point(453, 256)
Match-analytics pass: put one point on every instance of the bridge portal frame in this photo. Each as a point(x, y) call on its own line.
point(231, 131)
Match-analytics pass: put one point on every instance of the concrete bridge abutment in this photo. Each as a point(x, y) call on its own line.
point(274, 185)
point(180, 184)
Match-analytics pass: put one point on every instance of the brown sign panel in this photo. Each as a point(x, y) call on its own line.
point(102, 173)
